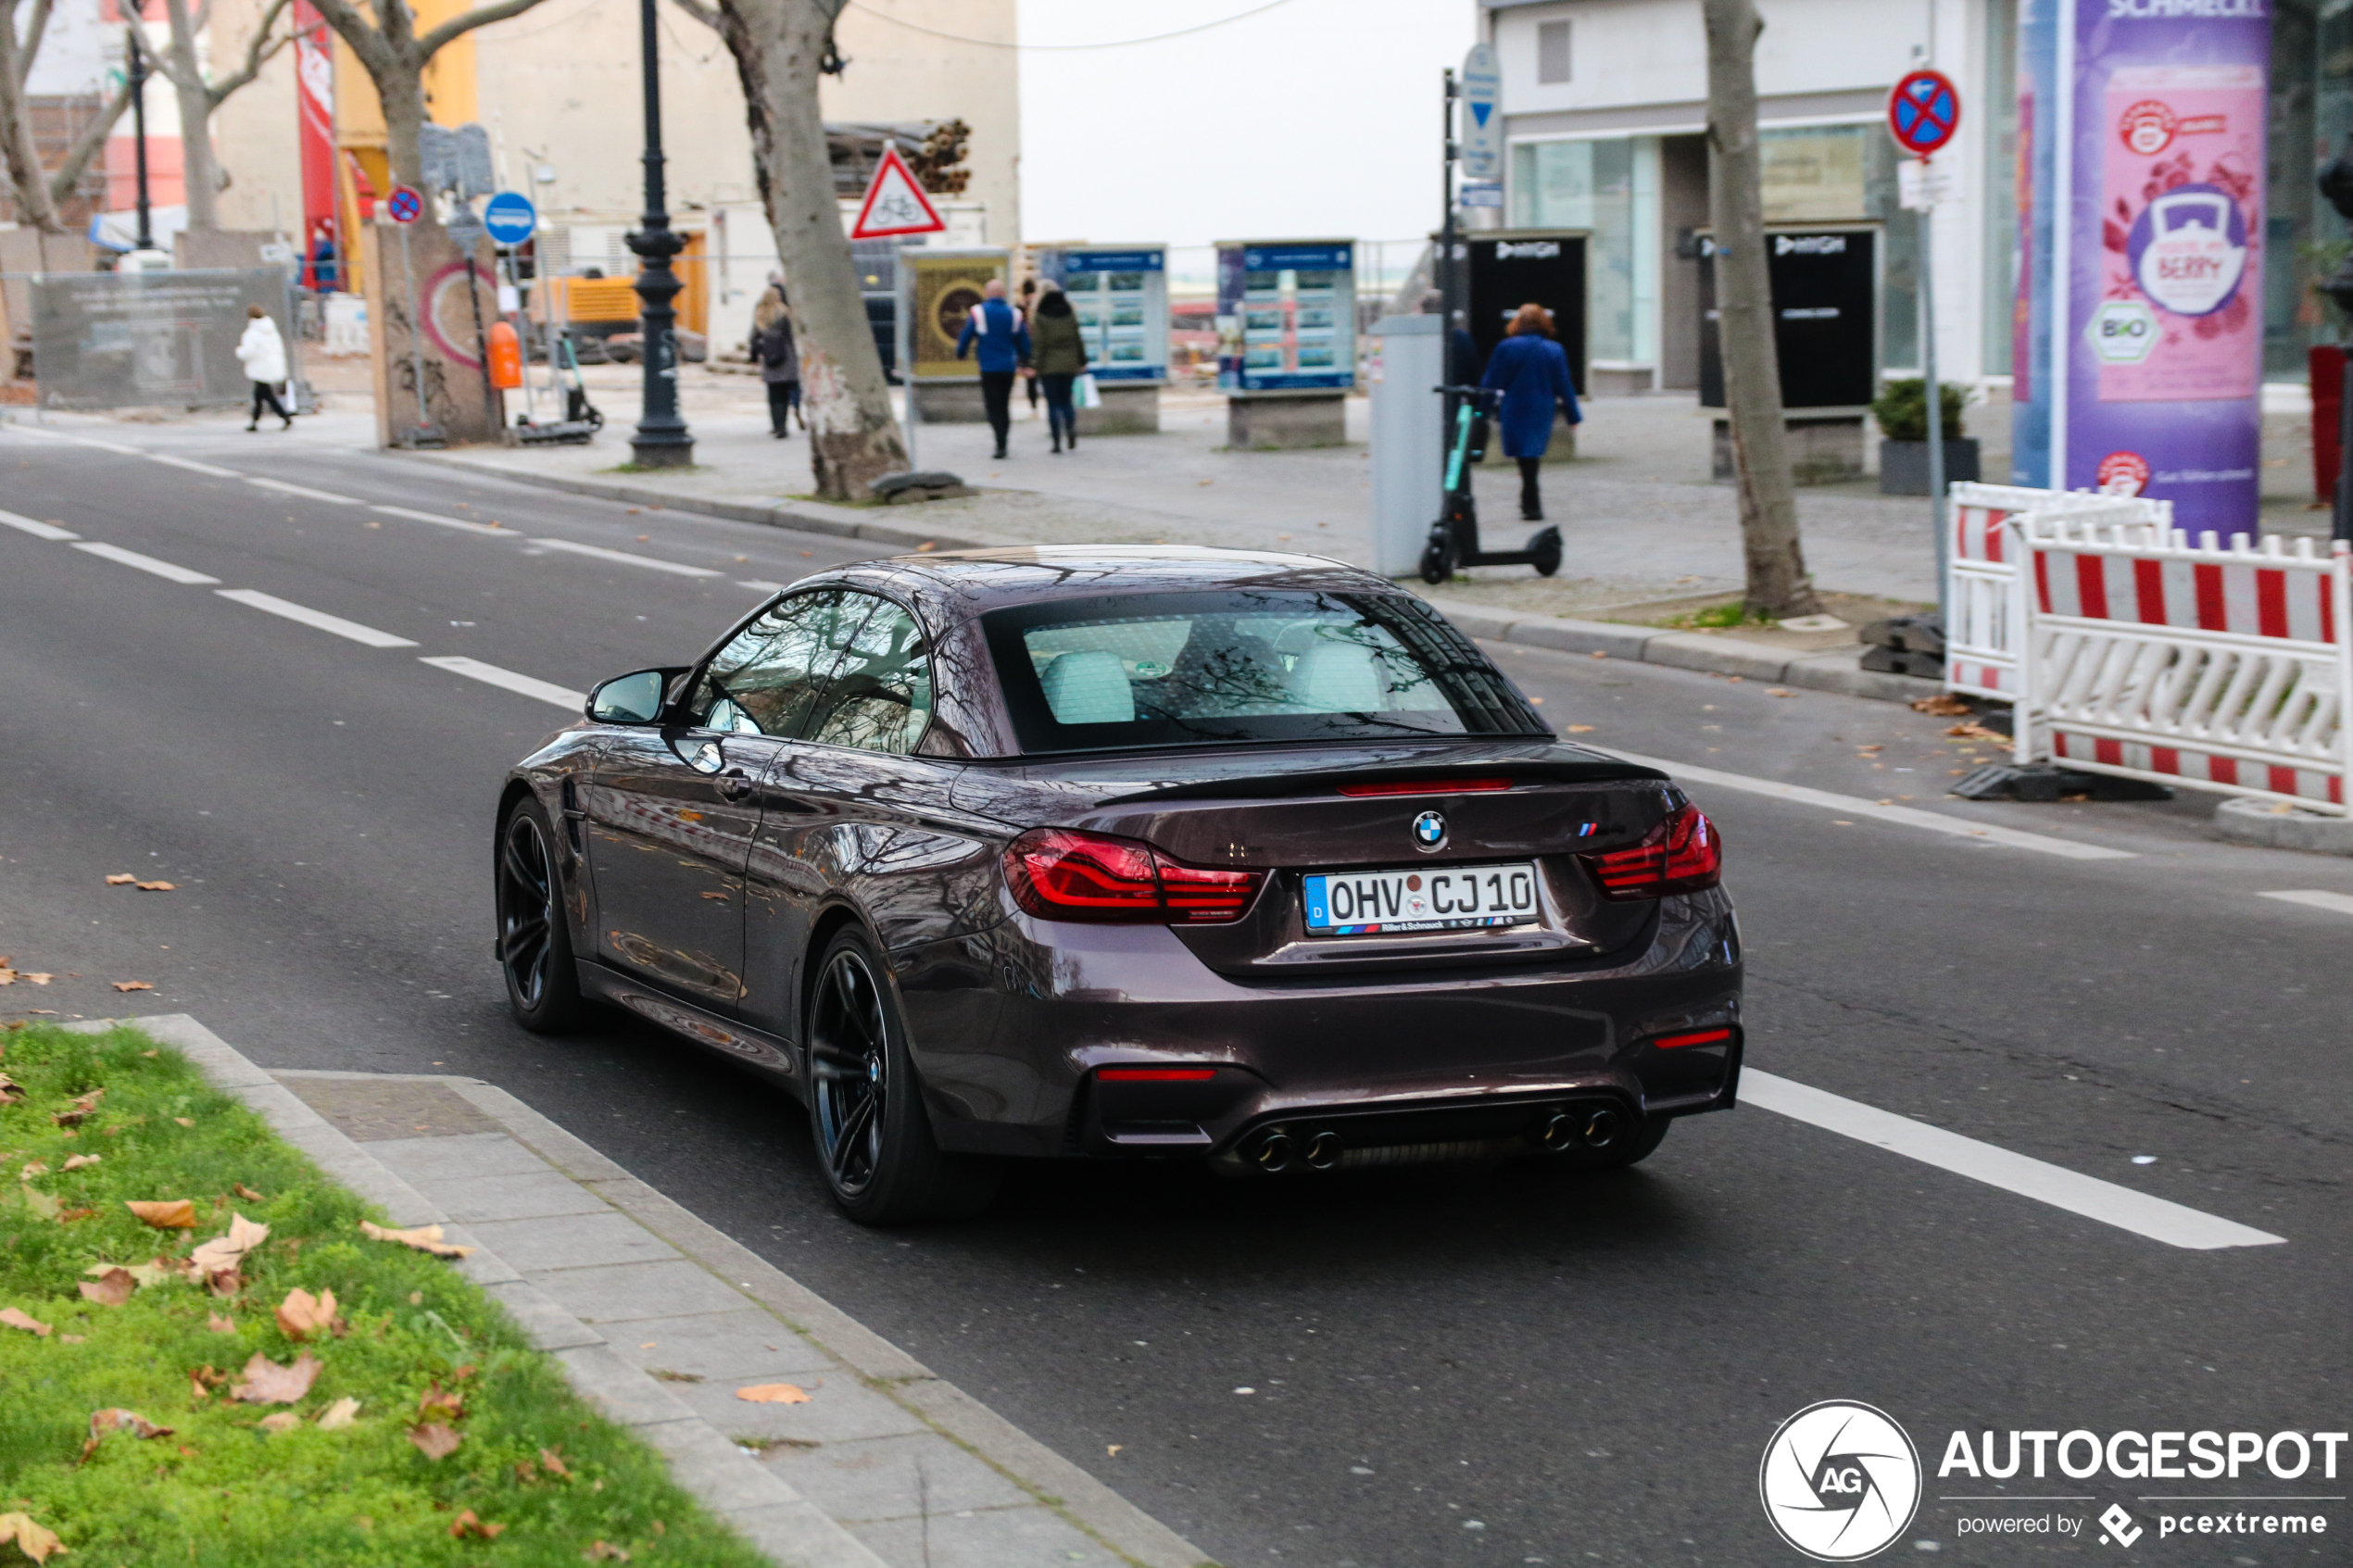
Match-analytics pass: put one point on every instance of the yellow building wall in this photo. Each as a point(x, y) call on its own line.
point(451, 99)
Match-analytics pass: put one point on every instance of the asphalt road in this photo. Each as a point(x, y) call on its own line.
point(1448, 1367)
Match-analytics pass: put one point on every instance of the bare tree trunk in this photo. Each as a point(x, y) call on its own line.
point(199, 170)
point(404, 105)
point(29, 180)
point(853, 438)
point(1777, 584)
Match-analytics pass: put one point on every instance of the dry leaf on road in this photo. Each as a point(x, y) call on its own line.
point(1943, 705)
point(342, 1413)
point(159, 887)
point(424, 1238)
point(301, 1314)
point(31, 1538)
point(1579, 729)
point(16, 1317)
point(466, 1525)
point(1973, 729)
point(267, 1383)
point(434, 1441)
point(120, 879)
point(775, 1394)
point(109, 1289)
point(132, 985)
point(225, 1252)
point(164, 1214)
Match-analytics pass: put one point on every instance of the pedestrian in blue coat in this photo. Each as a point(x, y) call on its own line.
point(1531, 370)
point(1003, 340)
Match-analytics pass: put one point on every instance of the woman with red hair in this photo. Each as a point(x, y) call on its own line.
point(1531, 370)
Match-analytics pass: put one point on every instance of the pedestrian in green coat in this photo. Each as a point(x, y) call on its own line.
point(1059, 353)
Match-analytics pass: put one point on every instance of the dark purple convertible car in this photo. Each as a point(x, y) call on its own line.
point(1108, 852)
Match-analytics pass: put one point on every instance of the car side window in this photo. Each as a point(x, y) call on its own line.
point(880, 698)
point(768, 677)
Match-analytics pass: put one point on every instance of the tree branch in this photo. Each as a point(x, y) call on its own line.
point(31, 48)
point(260, 50)
point(707, 15)
point(466, 22)
point(67, 174)
point(374, 53)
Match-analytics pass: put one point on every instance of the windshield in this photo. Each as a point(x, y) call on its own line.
point(1139, 670)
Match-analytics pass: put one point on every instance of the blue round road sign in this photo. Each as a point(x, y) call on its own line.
point(1924, 111)
point(404, 205)
point(509, 217)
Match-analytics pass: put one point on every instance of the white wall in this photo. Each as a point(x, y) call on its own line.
point(1624, 52)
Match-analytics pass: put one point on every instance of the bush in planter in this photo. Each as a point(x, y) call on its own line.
point(1901, 409)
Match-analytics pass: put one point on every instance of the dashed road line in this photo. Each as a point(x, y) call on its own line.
point(649, 562)
point(163, 568)
point(317, 619)
point(192, 465)
point(2339, 903)
point(304, 491)
point(2156, 1218)
point(416, 516)
point(490, 674)
point(1855, 806)
point(38, 530)
point(762, 585)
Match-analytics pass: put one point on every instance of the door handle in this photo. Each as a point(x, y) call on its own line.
point(734, 784)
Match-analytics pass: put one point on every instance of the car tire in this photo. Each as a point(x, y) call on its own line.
point(866, 1115)
point(535, 937)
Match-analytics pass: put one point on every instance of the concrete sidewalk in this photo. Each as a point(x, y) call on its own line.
point(659, 1320)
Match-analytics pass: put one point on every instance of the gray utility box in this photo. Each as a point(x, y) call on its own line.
point(1409, 437)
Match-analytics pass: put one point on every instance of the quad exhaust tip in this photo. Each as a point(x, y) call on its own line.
point(1594, 1127)
point(1323, 1150)
point(1275, 1153)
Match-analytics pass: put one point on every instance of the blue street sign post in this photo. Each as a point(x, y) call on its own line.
point(1481, 130)
point(1923, 113)
point(509, 217)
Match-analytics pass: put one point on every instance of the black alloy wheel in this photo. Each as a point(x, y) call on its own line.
point(535, 942)
point(867, 1113)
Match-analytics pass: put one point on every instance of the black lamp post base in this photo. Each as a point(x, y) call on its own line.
point(659, 452)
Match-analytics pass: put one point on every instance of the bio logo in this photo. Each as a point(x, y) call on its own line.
point(2122, 332)
point(1840, 1481)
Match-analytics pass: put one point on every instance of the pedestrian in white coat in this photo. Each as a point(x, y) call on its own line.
point(263, 354)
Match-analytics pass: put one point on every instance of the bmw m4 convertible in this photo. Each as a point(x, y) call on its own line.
point(1119, 852)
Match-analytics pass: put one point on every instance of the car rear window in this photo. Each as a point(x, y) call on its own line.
point(1117, 670)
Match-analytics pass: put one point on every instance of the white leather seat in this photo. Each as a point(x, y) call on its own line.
point(1089, 688)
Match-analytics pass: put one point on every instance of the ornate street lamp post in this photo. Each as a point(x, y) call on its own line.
point(661, 441)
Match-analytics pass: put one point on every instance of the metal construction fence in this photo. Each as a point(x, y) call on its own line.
point(117, 340)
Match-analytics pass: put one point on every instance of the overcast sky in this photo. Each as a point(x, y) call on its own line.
point(1318, 118)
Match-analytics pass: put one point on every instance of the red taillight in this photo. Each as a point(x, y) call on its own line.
point(1058, 875)
point(1697, 1038)
point(1683, 854)
point(1428, 786)
point(1156, 1074)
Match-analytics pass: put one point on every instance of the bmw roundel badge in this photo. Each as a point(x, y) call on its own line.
point(1430, 831)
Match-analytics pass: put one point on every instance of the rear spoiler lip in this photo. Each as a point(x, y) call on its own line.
point(1313, 780)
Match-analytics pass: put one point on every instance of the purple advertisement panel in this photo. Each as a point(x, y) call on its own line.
point(2159, 353)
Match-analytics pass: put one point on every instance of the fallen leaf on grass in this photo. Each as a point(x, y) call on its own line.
point(35, 1168)
point(76, 1161)
point(775, 1394)
point(437, 1404)
point(301, 1314)
point(1944, 705)
point(280, 1420)
point(120, 879)
point(31, 1538)
point(466, 1525)
point(109, 1289)
point(165, 1214)
point(10, 1091)
point(223, 1253)
point(186, 1121)
point(434, 1441)
point(424, 1238)
point(43, 1205)
point(159, 887)
point(554, 1463)
point(216, 1323)
point(203, 1379)
point(118, 1420)
point(342, 1413)
point(15, 1317)
point(132, 985)
point(267, 1383)
point(247, 1193)
point(80, 1110)
point(601, 1551)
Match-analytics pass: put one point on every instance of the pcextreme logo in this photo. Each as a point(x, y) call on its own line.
point(1841, 1480)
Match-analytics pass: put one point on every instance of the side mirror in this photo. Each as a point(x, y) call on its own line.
point(635, 698)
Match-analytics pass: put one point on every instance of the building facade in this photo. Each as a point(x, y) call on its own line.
point(1604, 113)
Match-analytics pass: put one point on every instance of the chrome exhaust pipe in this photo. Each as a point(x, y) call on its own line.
point(1562, 1132)
point(1604, 1128)
point(1274, 1152)
point(1324, 1150)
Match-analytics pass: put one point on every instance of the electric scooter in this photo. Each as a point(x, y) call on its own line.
point(1453, 538)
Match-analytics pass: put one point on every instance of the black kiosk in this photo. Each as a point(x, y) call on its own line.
point(1826, 332)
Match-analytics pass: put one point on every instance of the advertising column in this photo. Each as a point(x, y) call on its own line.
point(2141, 297)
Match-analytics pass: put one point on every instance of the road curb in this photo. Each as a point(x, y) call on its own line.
point(1831, 669)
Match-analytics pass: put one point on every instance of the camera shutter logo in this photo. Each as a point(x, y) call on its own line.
point(1840, 1481)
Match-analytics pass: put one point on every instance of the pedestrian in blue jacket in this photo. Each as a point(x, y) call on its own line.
point(1531, 370)
point(1002, 338)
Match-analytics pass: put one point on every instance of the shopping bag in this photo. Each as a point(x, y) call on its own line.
point(1083, 393)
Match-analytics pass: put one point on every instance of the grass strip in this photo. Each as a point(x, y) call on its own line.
point(535, 1478)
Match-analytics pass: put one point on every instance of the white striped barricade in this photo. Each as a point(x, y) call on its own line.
point(2151, 657)
point(1983, 603)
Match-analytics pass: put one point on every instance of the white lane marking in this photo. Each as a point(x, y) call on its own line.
point(38, 530)
point(2156, 1218)
point(2341, 903)
point(416, 516)
point(1855, 806)
point(764, 586)
point(192, 465)
point(319, 619)
point(108, 446)
point(490, 674)
point(145, 563)
point(304, 491)
point(16, 429)
point(625, 557)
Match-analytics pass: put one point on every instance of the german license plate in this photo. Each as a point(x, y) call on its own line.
point(1422, 899)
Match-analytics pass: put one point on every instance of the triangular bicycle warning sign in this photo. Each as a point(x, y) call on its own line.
point(895, 204)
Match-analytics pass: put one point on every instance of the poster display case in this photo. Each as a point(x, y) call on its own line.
point(943, 286)
point(1121, 296)
point(1286, 315)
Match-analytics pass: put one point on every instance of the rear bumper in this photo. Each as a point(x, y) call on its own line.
point(1013, 1030)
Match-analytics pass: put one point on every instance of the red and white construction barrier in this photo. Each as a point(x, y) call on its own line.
point(2148, 657)
point(1982, 594)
